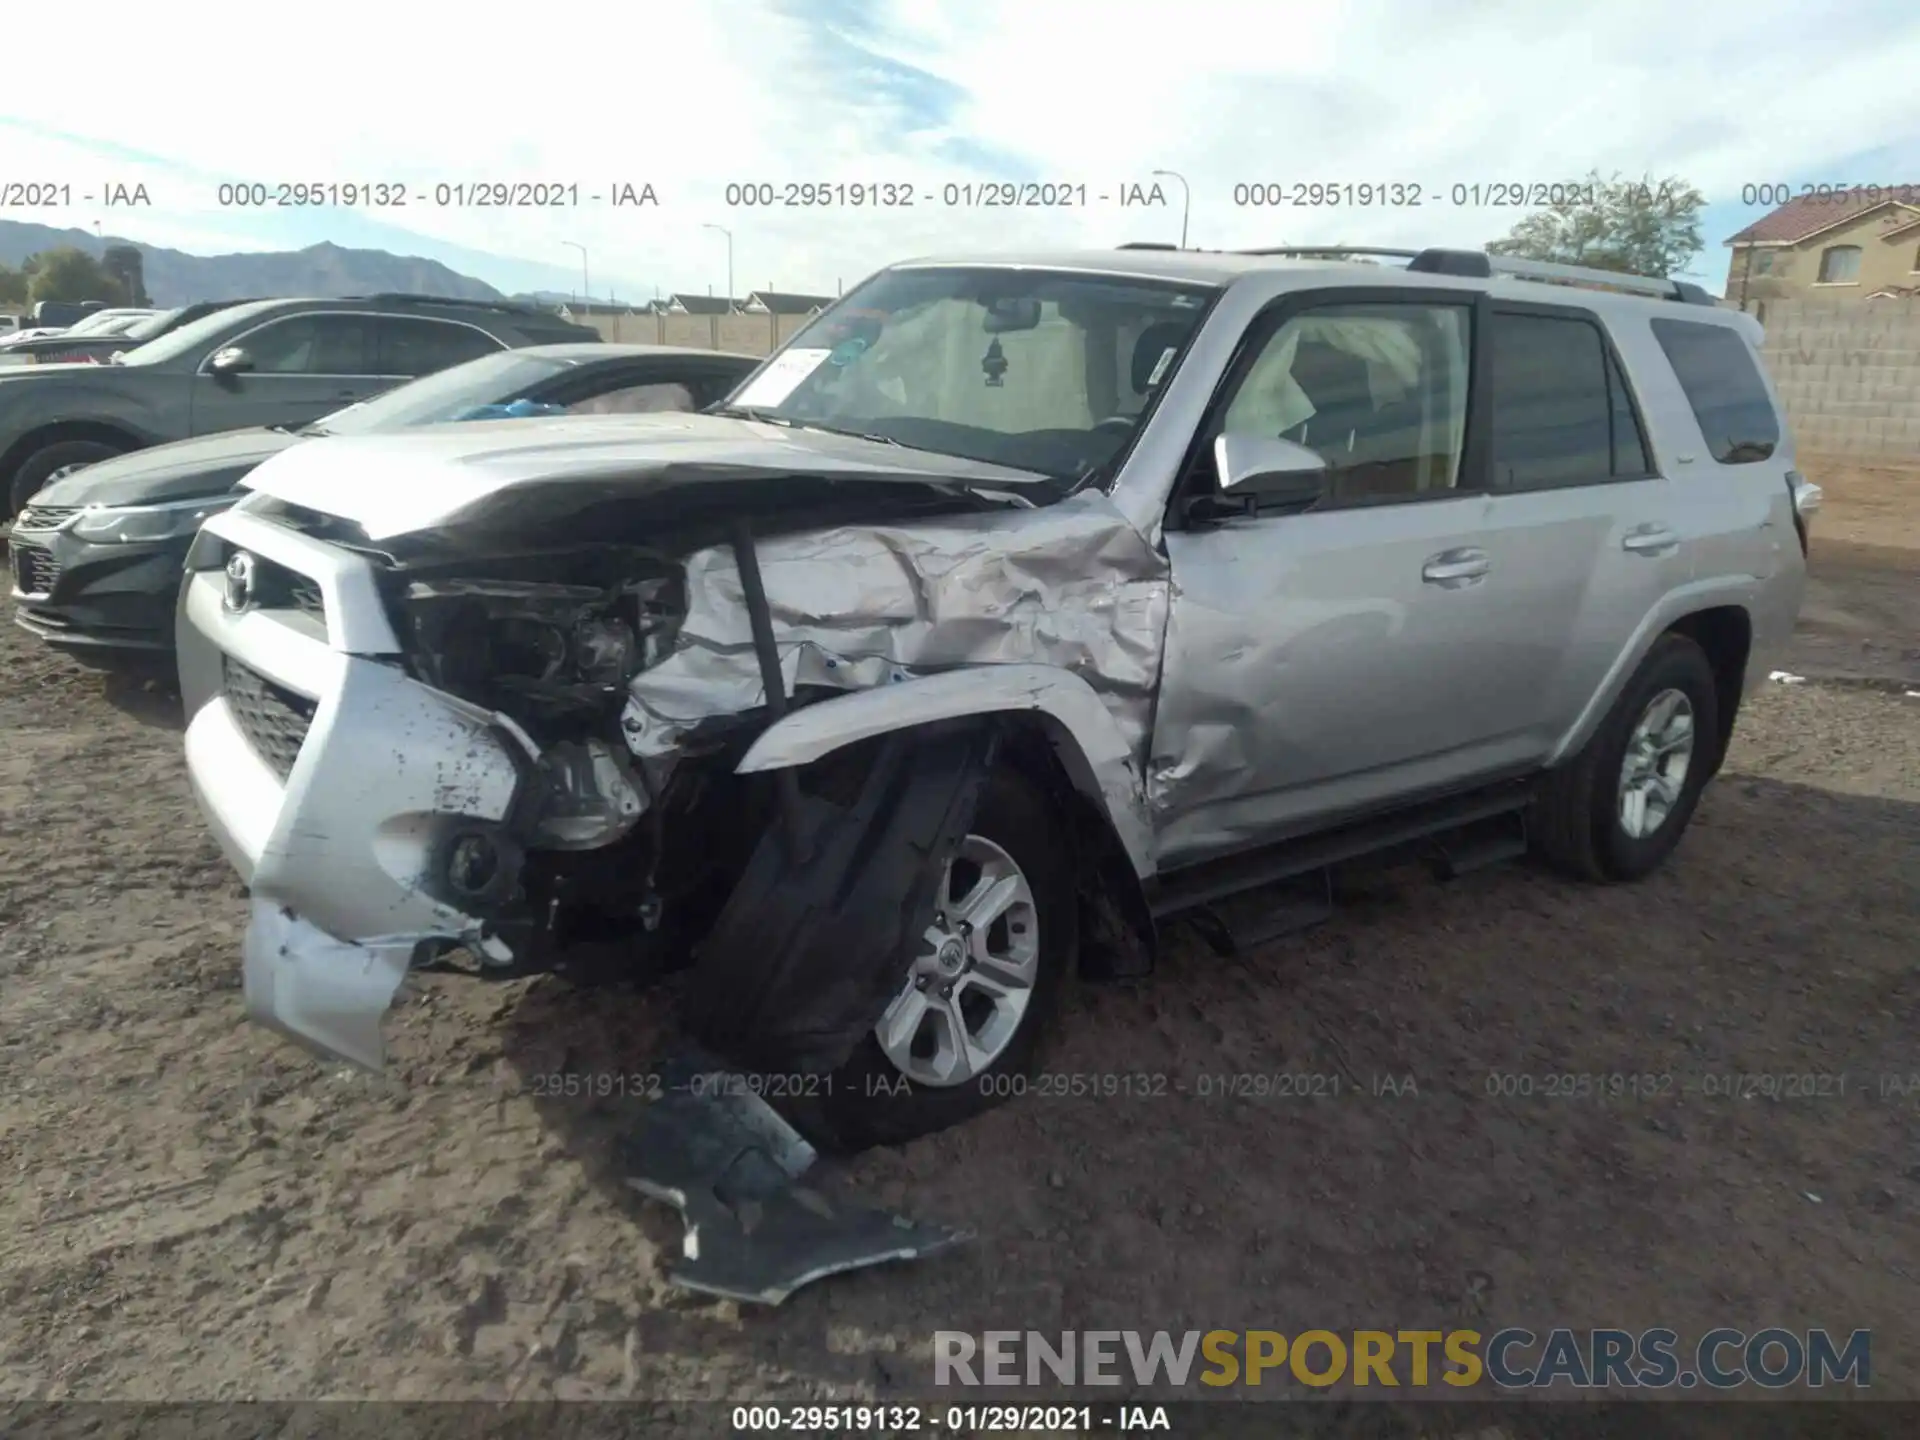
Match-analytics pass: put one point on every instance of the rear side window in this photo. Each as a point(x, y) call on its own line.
point(414, 347)
point(1561, 411)
point(1723, 385)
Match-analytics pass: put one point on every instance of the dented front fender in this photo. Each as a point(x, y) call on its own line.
point(1091, 746)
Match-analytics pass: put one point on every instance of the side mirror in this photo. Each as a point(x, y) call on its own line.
point(233, 360)
point(1266, 470)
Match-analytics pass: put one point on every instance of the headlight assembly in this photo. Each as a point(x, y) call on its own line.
point(127, 524)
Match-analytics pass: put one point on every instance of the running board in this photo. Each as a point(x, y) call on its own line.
point(1492, 841)
point(1203, 885)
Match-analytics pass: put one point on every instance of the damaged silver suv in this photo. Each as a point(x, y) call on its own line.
point(1014, 608)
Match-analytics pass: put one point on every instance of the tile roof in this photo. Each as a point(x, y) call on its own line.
point(787, 302)
point(1807, 214)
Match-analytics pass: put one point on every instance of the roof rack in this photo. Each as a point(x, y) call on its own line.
point(1479, 265)
point(401, 297)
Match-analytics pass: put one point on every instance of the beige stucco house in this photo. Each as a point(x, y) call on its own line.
point(1861, 245)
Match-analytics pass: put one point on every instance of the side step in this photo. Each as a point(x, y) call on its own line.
point(1457, 835)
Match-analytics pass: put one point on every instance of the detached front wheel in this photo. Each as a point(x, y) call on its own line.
point(976, 996)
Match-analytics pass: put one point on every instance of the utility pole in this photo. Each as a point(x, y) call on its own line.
point(729, 234)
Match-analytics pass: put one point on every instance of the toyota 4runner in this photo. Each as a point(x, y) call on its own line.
point(1015, 607)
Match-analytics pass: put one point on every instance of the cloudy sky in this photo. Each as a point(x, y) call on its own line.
point(922, 94)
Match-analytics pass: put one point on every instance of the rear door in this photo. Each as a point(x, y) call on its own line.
point(1581, 515)
point(302, 367)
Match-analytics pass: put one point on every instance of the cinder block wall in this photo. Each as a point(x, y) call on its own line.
point(742, 334)
point(1848, 373)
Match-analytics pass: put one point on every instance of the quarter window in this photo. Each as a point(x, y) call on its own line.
point(1562, 414)
point(1722, 384)
point(1378, 391)
point(413, 347)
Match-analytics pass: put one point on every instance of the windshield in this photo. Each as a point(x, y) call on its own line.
point(444, 395)
point(92, 324)
point(1047, 371)
point(191, 337)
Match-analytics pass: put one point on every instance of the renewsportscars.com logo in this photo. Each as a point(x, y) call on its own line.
point(1513, 1358)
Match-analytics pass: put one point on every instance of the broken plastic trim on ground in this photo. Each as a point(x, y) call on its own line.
point(713, 1149)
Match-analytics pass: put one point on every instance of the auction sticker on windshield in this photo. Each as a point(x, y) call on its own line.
point(781, 377)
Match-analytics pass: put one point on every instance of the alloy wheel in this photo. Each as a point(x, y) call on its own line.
point(973, 979)
point(1653, 772)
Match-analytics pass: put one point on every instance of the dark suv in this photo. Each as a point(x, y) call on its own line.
point(267, 362)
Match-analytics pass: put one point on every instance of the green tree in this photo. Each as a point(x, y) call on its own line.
point(1639, 227)
point(13, 286)
point(68, 273)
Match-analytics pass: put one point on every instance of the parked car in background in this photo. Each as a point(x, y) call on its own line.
point(58, 314)
point(9, 324)
point(94, 338)
point(97, 554)
point(264, 362)
point(65, 347)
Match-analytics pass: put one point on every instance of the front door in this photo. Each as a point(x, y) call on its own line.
point(298, 368)
point(1323, 663)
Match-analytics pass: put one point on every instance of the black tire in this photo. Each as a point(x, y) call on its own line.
point(38, 467)
point(1575, 821)
point(867, 1101)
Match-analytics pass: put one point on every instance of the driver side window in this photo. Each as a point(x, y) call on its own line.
point(1378, 391)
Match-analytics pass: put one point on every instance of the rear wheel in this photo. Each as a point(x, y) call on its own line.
point(47, 464)
point(1618, 808)
point(976, 996)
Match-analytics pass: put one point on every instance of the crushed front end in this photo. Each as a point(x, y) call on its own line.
point(408, 756)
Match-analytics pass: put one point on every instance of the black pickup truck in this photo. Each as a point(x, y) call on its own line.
point(264, 362)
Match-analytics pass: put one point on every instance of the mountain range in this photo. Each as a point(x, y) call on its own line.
point(174, 277)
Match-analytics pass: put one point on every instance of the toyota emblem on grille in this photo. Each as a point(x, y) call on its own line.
point(239, 592)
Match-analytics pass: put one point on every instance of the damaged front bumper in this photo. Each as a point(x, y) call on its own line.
point(371, 817)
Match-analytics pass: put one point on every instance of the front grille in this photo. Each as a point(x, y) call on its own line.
point(35, 571)
point(273, 719)
point(45, 517)
point(275, 587)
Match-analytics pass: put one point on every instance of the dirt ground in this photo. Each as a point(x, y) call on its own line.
point(193, 1209)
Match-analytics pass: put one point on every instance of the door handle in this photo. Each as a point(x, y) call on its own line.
point(1650, 540)
point(1454, 568)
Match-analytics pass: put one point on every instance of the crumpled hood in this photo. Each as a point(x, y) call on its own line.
point(205, 465)
point(428, 477)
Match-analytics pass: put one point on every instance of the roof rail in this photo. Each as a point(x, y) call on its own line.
point(1479, 265)
point(1147, 245)
point(1331, 251)
point(1557, 274)
point(401, 297)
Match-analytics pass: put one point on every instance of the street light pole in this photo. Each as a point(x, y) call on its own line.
point(586, 290)
point(1186, 201)
point(729, 234)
